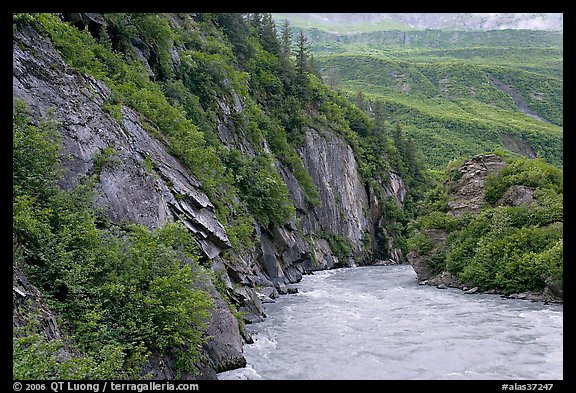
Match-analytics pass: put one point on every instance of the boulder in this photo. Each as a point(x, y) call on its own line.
point(517, 195)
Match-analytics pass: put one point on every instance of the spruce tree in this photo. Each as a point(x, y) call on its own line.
point(269, 35)
point(286, 67)
point(286, 40)
point(302, 59)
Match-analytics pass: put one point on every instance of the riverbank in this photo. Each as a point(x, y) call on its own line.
point(446, 280)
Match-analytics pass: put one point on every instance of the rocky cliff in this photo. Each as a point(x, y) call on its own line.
point(140, 181)
point(126, 190)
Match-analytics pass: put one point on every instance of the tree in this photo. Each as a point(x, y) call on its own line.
point(268, 35)
point(286, 40)
point(235, 27)
point(256, 21)
point(286, 67)
point(409, 160)
point(378, 113)
point(360, 100)
point(302, 60)
point(313, 67)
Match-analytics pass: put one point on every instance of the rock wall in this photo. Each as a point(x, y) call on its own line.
point(468, 190)
point(343, 206)
point(126, 190)
point(467, 195)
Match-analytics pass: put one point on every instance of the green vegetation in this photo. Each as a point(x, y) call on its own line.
point(453, 109)
point(338, 245)
point(531, 173)
point(123, 291)
point(261, 187)
point(509, 248)
point(441, 86)
point(36, 358)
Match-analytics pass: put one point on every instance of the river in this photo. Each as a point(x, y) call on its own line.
point(376, 322)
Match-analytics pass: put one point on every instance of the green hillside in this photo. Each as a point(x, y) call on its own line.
point(340, 27)
point(456, 93)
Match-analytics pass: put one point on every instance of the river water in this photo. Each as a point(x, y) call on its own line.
point(376, 322)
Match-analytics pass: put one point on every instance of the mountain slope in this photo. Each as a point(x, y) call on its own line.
point(457, 93)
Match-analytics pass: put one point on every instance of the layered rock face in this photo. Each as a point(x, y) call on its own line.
point(343, 200)
point(141, 182)
point(126, 190)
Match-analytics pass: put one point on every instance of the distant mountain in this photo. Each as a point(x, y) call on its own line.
point(351, 23)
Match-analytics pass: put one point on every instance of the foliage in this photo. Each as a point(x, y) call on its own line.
point(35, 154)
point(338, 245)
point(509, 248)
point(420, 242)
point(36, 358)
point(444, 93)
point(531, 173)
point(261, 188)
point(124, 291)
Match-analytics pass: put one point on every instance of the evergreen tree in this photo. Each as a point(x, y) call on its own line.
point(286, 67)
point(235, 26)
point(378, 113)
point(302, 59)
point(360, 100)
point(313, 67)
point(409, 158)
point(256, 21)
point(268, 35)
point(286, 41)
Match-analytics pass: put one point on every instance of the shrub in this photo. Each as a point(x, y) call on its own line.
point(261, 188)
point(338, 245)
point(124, 291)
point(420, 243)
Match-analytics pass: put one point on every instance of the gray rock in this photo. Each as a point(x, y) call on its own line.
point(468, 190)
point(126, 190)
point(554, 287)
point(471, 290)
point(28, 304)
point(517, 195)
point(343, 206)
point(224, 349)
point(418, 263)
point(323, 255)
point(268, 292)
